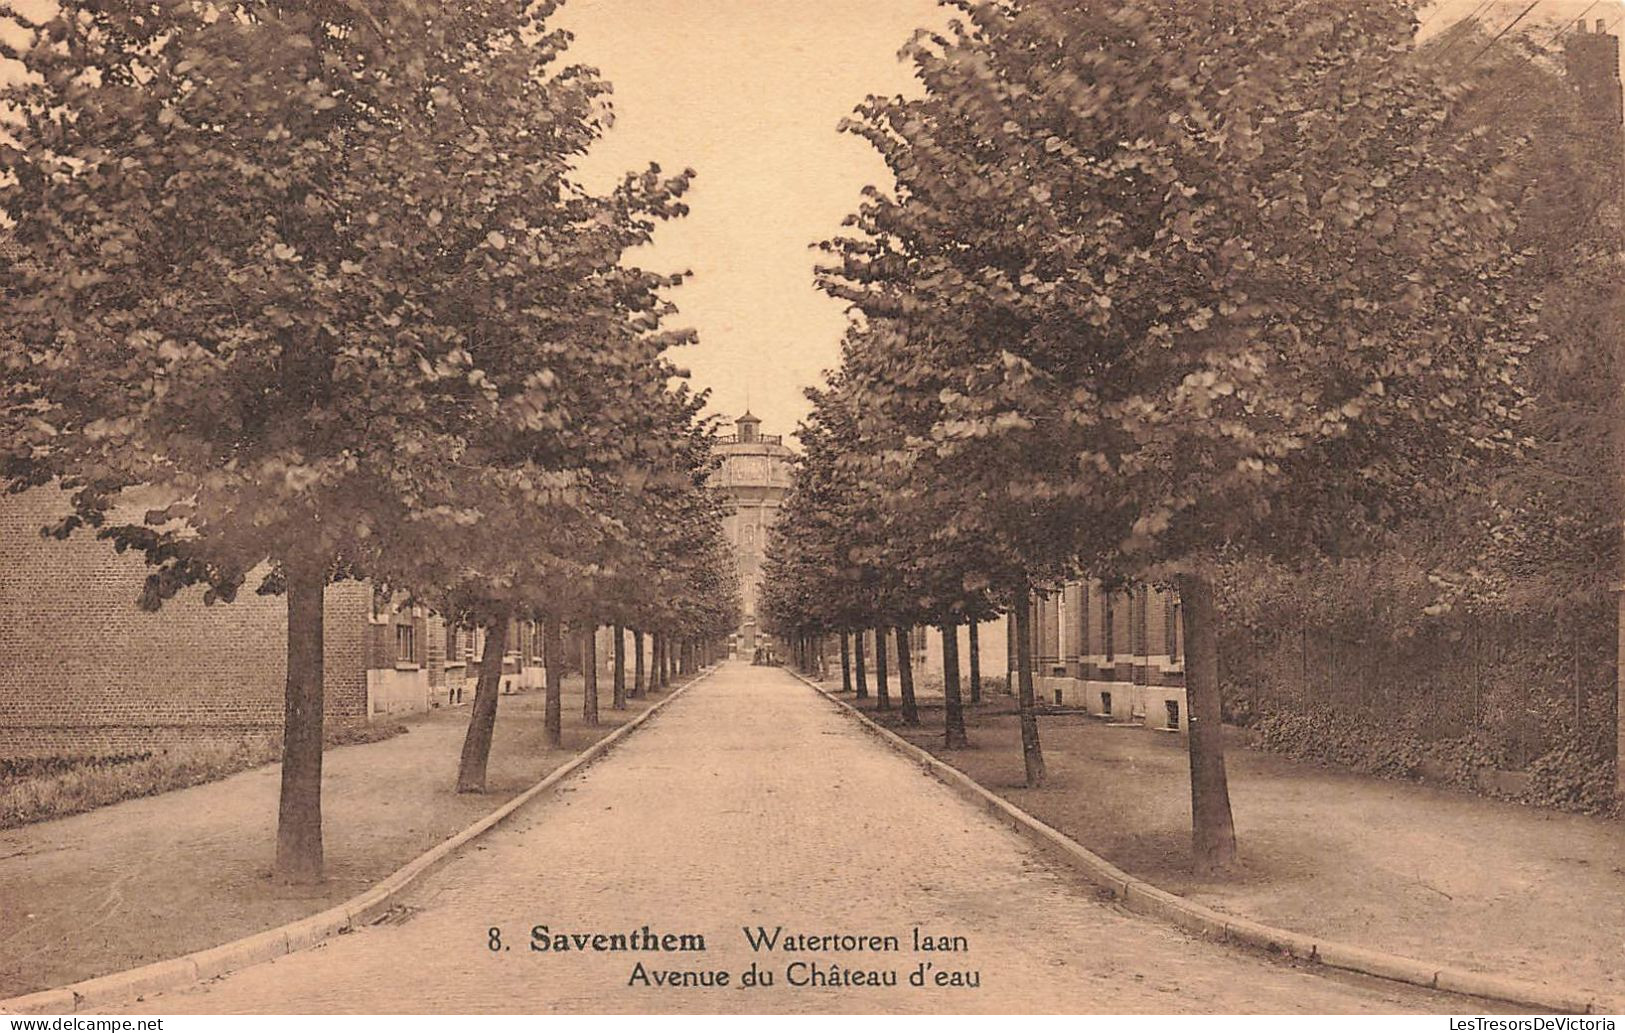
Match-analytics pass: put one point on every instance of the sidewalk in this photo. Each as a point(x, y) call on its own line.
point(1414, 870)
point(153, 878)
point(753, 802)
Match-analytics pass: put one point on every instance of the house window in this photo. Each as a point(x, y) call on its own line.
point(405, 644)
point(1171, 627)
point(1085, 647)
point(1140, 631)
point(1173, 714)
point(1107, 619)
point(1106, 703)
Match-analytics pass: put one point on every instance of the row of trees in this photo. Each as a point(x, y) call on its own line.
point(314, 285)
point(1164, 288)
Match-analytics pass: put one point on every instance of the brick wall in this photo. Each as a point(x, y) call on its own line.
point(84, 671)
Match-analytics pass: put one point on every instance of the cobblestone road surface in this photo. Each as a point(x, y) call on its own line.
point(753, 802)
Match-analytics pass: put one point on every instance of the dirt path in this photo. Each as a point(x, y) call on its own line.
point(751, 801)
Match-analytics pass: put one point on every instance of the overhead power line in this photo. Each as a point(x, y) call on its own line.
point(1464, 25)
point(1572, 22)
point(1508, 28)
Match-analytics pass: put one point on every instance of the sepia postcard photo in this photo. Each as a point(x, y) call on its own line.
point(812, 507)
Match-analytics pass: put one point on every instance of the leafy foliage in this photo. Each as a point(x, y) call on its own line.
point(317, 280)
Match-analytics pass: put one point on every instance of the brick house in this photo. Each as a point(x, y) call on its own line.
point(84, 671)
point(1118, 654)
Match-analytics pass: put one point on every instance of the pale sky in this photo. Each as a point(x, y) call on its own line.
point(1547, 14)
point(749, 93)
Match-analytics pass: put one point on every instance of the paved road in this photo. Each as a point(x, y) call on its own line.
point(752, 801)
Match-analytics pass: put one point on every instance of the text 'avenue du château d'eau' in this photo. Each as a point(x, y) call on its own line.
point(805, 965)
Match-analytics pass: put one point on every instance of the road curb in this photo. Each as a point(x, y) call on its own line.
point(1145, 899)
point(188, 969)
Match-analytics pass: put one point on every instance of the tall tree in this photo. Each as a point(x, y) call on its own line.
point(1168, 259)
point(882, 676)
point(905, 677)
point(266, 292)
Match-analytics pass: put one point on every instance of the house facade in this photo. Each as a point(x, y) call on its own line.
point(85, 672)
point(1115, 652)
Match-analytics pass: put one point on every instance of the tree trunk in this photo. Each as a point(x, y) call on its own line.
point(620, 668)
point(857, 663)
point(975, 666)
point(954, 709)
point(553, 716)
point(1213, 832)
point(1031, 753)
point(589, 675)
point(846, 662)
point(483, 717)
point(1010, 655)
point(905, 677)
point(299, 813)
point(637, 665)
point(882, 689)
point(665, 660)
